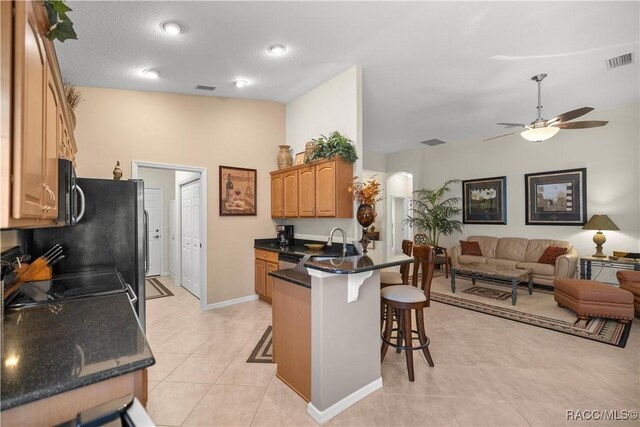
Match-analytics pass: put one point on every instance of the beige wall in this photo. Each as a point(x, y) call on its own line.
point(334, 105)
point(193, 131)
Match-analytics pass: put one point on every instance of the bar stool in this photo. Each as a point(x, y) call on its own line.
point(402, 300)
point(388, 278)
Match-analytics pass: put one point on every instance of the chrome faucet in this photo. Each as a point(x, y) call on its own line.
point(344, 240)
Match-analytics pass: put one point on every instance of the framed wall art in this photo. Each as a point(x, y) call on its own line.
point(299, 158)
point(556, 197)
point(238, 187)
point(484, 201)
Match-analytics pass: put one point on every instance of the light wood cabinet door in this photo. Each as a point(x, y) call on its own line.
point(30, 68)
point(326, 189)
point(290, 194)
point(277, 196)
point(307, 192)
point(260, 277)
point(268, 288)
point(52, 139)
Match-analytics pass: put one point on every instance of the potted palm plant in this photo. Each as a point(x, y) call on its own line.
point(435, 213)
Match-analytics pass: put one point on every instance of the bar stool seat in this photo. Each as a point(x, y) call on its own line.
point(399, 302)
point(403, 293)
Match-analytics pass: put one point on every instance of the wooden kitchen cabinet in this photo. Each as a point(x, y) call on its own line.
point(34, 118)
point(321, 190)
point(265, 262)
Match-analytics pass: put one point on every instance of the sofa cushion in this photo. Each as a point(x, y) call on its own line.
point(538, 268)
point(503, 262)
point(487, 244)
point(536, 248)
point(513, 248)
point(470, 248)
point(550, 255)
point(466, 259)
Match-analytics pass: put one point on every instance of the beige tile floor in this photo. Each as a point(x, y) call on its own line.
point(488, 372)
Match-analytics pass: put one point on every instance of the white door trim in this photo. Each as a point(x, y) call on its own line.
point(161, 221)
point(204, 284)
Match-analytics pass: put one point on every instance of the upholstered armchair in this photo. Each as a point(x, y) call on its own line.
point(630, 281)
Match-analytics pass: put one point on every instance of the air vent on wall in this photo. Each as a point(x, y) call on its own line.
point(433, 142)
point(203, 87)
point(619, 61)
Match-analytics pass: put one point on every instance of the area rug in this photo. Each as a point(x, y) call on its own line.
point(155, 289)
point(488, 293)
point(538, 309)
point(262, 351)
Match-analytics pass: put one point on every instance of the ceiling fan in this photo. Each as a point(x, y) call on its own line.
point(541, 129)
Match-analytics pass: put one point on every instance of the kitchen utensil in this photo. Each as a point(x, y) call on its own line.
point(314, 246)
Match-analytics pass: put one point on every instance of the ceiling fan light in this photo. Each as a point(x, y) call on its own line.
point(539, 134)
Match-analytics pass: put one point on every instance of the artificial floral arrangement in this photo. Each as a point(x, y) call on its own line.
point(334, 145)
point(73, 94)
point(365, 192)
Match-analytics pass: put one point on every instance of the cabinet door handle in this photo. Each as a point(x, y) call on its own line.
point(47, 205)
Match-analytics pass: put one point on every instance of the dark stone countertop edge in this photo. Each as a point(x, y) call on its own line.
point(293, 276)
point(353, 265)
point(61, 388)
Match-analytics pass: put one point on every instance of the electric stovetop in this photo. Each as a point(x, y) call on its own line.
point(99, 281)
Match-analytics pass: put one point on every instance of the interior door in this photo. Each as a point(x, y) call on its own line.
point(191, 240)
point(153, 205)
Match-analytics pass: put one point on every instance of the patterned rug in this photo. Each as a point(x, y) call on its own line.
point(262, 352)
point(488, 293)
point(155, 289)
point(607, 331)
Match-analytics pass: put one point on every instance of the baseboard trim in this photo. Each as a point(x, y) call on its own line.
point(231, 302)
point(322, 417)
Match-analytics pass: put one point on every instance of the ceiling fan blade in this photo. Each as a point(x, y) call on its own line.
point(495, 137)
point(582, 125)
point(512, 125)
point(570, 115)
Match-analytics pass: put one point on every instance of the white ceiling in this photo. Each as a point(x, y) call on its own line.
point(446, 70)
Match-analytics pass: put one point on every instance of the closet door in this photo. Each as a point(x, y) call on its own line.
point(191, 239)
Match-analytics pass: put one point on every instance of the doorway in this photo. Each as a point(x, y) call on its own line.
point(398, 204)
point(173, 262)
point(190, 235)
point(153, 204)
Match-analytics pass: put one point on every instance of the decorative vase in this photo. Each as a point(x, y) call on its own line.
point(285, 159)
point(309, 148)
point(365, 216)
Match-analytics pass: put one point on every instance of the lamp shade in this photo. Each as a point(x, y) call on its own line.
point(539, 134)
point(600, 222)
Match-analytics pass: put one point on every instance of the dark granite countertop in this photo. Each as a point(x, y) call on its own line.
point(299, 249)
point(339, 265)
point(61, 346)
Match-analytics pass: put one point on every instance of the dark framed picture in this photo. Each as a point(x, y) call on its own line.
point(484, 201)
point(556, 197)
point(238, 188)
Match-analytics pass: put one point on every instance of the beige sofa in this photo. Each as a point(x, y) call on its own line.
point(521, 253)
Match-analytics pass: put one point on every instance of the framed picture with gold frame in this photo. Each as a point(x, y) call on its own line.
point(299, 158)
point(238, 187)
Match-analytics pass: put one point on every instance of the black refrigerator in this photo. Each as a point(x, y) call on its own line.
point(111, 233)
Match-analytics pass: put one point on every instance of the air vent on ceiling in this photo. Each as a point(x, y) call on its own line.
point(619, 61)
point(433, 142)
point(203, 87)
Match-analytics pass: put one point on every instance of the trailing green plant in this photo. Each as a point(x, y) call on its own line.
point(60, 26)
point(334, 145)
point(434, 213)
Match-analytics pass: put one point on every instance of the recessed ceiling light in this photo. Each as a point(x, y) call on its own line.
point(277, 49)
point(150, 74)
point(240, 83)
point(172, 28)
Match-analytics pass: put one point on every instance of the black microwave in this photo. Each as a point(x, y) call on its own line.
point(70, 195)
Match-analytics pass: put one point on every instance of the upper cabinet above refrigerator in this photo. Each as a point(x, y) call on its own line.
point(35, 120)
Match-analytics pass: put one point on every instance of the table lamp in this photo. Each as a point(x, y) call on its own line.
point(599, 223)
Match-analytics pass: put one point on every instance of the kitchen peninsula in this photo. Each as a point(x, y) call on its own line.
point(326, 331)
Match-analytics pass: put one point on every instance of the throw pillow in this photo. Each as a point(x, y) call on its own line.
point(550, 254)
point(470, 248)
